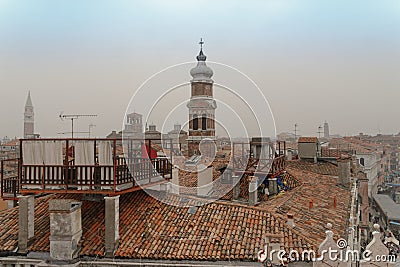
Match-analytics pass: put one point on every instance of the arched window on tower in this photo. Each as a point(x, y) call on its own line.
point(195, 122)
point(204, 122)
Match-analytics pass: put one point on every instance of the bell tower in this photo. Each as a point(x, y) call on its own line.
point(29, 119)
point(201, 105)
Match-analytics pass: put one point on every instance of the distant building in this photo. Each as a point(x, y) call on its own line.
point(9, 150)
point(29, 119)
point(152, 133)
point(114, 135)
point(133, 126)
point(326, 130)
point(179, 137)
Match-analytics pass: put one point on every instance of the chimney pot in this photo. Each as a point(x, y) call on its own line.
point(290, 220)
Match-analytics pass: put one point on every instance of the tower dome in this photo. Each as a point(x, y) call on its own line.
point(201, 73)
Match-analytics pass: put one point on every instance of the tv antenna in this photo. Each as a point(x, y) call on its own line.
point(74, 132)
point(73, 117)
point(295, 132)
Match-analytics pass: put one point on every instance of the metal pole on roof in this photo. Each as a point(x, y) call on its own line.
point(74, 117)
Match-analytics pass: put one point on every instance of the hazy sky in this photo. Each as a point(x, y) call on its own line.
point(319, 60)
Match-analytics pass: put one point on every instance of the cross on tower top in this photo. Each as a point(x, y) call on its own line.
point(201, 43)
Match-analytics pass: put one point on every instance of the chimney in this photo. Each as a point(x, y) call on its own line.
point(311, 203)
point(65, 228)
point(272, 186)
point(344, 171)
point(175, 181)
point(236, 187)
point(164, 189)
point(290, 220)
point(26, 222)
point(112, 225)
point(204, 180)
point(253, 192)
point(275, 246)
point(289, 155)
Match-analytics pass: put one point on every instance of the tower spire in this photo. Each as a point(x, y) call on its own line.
point(28, 100)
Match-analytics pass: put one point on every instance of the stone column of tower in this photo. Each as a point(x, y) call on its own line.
point(29, 120)
point(201, 105)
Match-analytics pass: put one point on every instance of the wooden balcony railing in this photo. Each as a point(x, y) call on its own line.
point(93, 177)
point(9, 188)
point(246, 162)
point(9, 179)
point(123, 174)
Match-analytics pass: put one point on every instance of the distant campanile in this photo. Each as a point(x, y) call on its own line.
point(29, 119)
point(201, 105)
point(326, 130)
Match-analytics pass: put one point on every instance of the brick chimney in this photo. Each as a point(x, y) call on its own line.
point(344, 164)
point(65, 228)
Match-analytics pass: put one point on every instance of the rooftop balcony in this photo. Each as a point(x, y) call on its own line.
point(93, 166)
point(259, 157)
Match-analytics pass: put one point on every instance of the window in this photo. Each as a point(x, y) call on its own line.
point(362, 161)
point(195, 122)
point(204, 122)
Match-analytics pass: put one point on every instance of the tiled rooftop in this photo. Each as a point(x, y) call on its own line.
point(325, 168)
point(153, 230)
point(223, 230)
point(321, 191)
